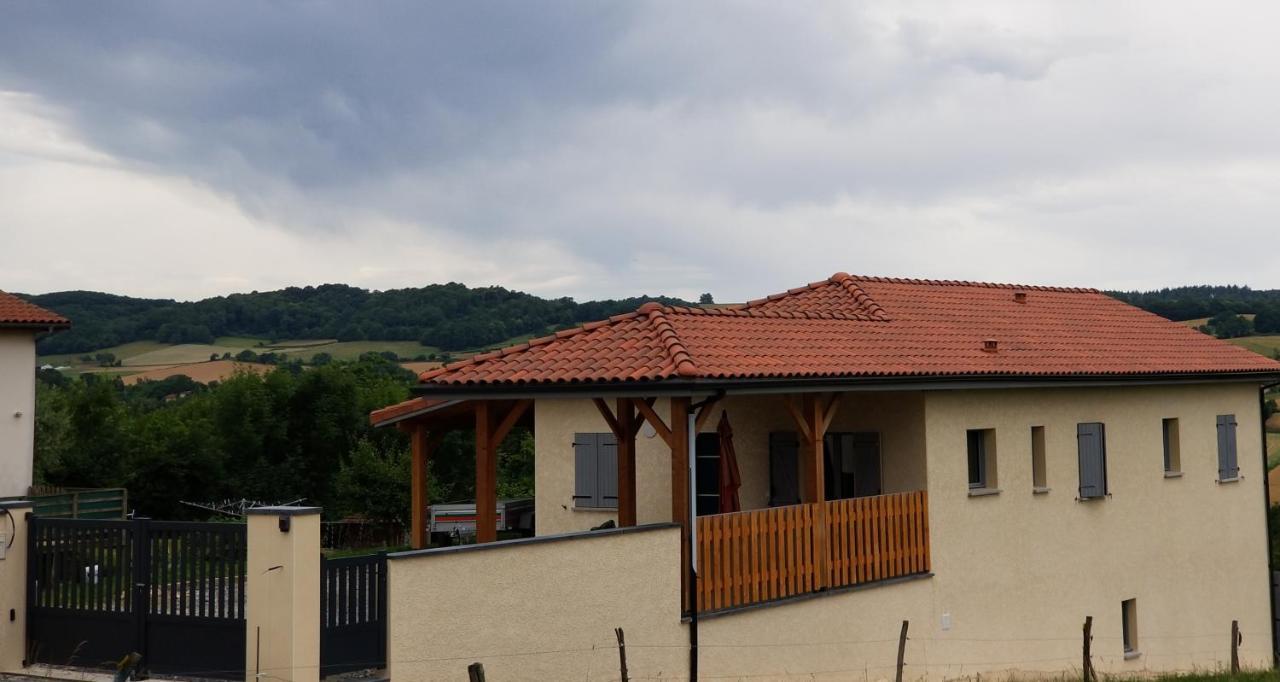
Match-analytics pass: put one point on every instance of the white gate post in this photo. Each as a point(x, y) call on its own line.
point(13, 585)
point(282, 594)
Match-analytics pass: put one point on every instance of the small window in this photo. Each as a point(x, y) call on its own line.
point(1091, 443)
point(1228, 465)
point(982, 459)
point(1129, 625)
point(595, 475)
point(1039, 479)
point(1172, 457)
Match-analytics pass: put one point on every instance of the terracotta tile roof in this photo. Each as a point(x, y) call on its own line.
point(870, 327)
point(392, 412)
point(15, 312)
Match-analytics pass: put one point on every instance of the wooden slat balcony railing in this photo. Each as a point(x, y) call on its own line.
point(767, 554)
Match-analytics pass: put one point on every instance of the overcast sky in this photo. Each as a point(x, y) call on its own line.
point(590, 149)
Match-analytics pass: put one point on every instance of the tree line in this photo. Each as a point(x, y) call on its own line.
point(449, 316)
point(290, 434)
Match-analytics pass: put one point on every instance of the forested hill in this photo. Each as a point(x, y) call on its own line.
point(449, 316)
point(1194, 302)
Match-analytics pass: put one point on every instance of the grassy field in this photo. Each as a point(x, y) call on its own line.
point(1273, 450)
point(1265, 345)
point(350, 350)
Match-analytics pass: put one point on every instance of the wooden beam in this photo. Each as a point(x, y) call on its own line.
point(797, 414)
point(486, 474)
point(646, 410)
point(637, 420)
point(626, 439)
point(609, 419)
point(829, 413)
point(509, 421)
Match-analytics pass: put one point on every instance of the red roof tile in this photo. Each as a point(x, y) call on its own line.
point(15, 312)
point(871, 327)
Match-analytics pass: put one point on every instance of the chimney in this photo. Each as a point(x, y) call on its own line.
point(1019, 297)
point(990, 345)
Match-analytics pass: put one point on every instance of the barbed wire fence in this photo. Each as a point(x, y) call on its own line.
point(916, 664)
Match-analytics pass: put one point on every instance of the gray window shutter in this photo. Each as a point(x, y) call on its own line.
point(584, 470)
point(784, 468)
point(1228, 464)
point(607, 470)
point(1092, 450)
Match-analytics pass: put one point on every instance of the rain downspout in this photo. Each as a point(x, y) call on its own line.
point(1266, 503)
point(693, 531)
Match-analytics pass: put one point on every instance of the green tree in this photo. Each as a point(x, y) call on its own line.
point(706, 299)
point(1228, 325)
point(375, 484)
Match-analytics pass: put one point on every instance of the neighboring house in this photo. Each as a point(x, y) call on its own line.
point(20, 322)
point(990, 462)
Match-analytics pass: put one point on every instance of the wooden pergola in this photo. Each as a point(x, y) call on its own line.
point(492, 420)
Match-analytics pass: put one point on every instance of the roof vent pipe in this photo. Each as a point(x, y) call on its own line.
point(1019, 297)
point(990, 345)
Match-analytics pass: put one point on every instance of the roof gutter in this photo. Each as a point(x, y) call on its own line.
point(683, 387)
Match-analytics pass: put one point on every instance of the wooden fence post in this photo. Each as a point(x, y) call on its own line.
point(1235, 647)
point(475, 672)
point(622, 654)
point(902, 649)
point(1089, 674)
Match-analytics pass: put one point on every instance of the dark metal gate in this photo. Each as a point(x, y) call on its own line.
point(353, 613)
point(171, 591)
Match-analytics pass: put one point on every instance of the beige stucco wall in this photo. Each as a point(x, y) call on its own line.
point(1018, 565)
point(13, 585)
point(17, 410)
point(539, 610)
point(898, 417)
point(1014, 574)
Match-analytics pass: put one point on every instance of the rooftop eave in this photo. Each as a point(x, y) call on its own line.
point(686, 386)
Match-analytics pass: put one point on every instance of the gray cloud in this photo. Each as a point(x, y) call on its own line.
point(669, 147)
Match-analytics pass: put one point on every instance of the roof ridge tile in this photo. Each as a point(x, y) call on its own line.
point(968, 283)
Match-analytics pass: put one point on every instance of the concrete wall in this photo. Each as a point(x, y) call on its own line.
point(17, 410)
point(898, 417)
point(539, 609)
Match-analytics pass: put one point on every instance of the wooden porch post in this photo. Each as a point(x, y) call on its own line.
point(491, 428)
point(486, 474)
point(812, 418)
point(626, 439)
point(420, 439)
point(623, 424)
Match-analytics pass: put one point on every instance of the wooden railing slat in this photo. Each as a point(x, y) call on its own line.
point(767, 554)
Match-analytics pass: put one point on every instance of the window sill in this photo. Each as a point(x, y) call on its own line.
point(1131, 655)
point(1040, 490)
point(598, 510)
point(1173, 474)
point(1237, 479)
point(983, 492)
